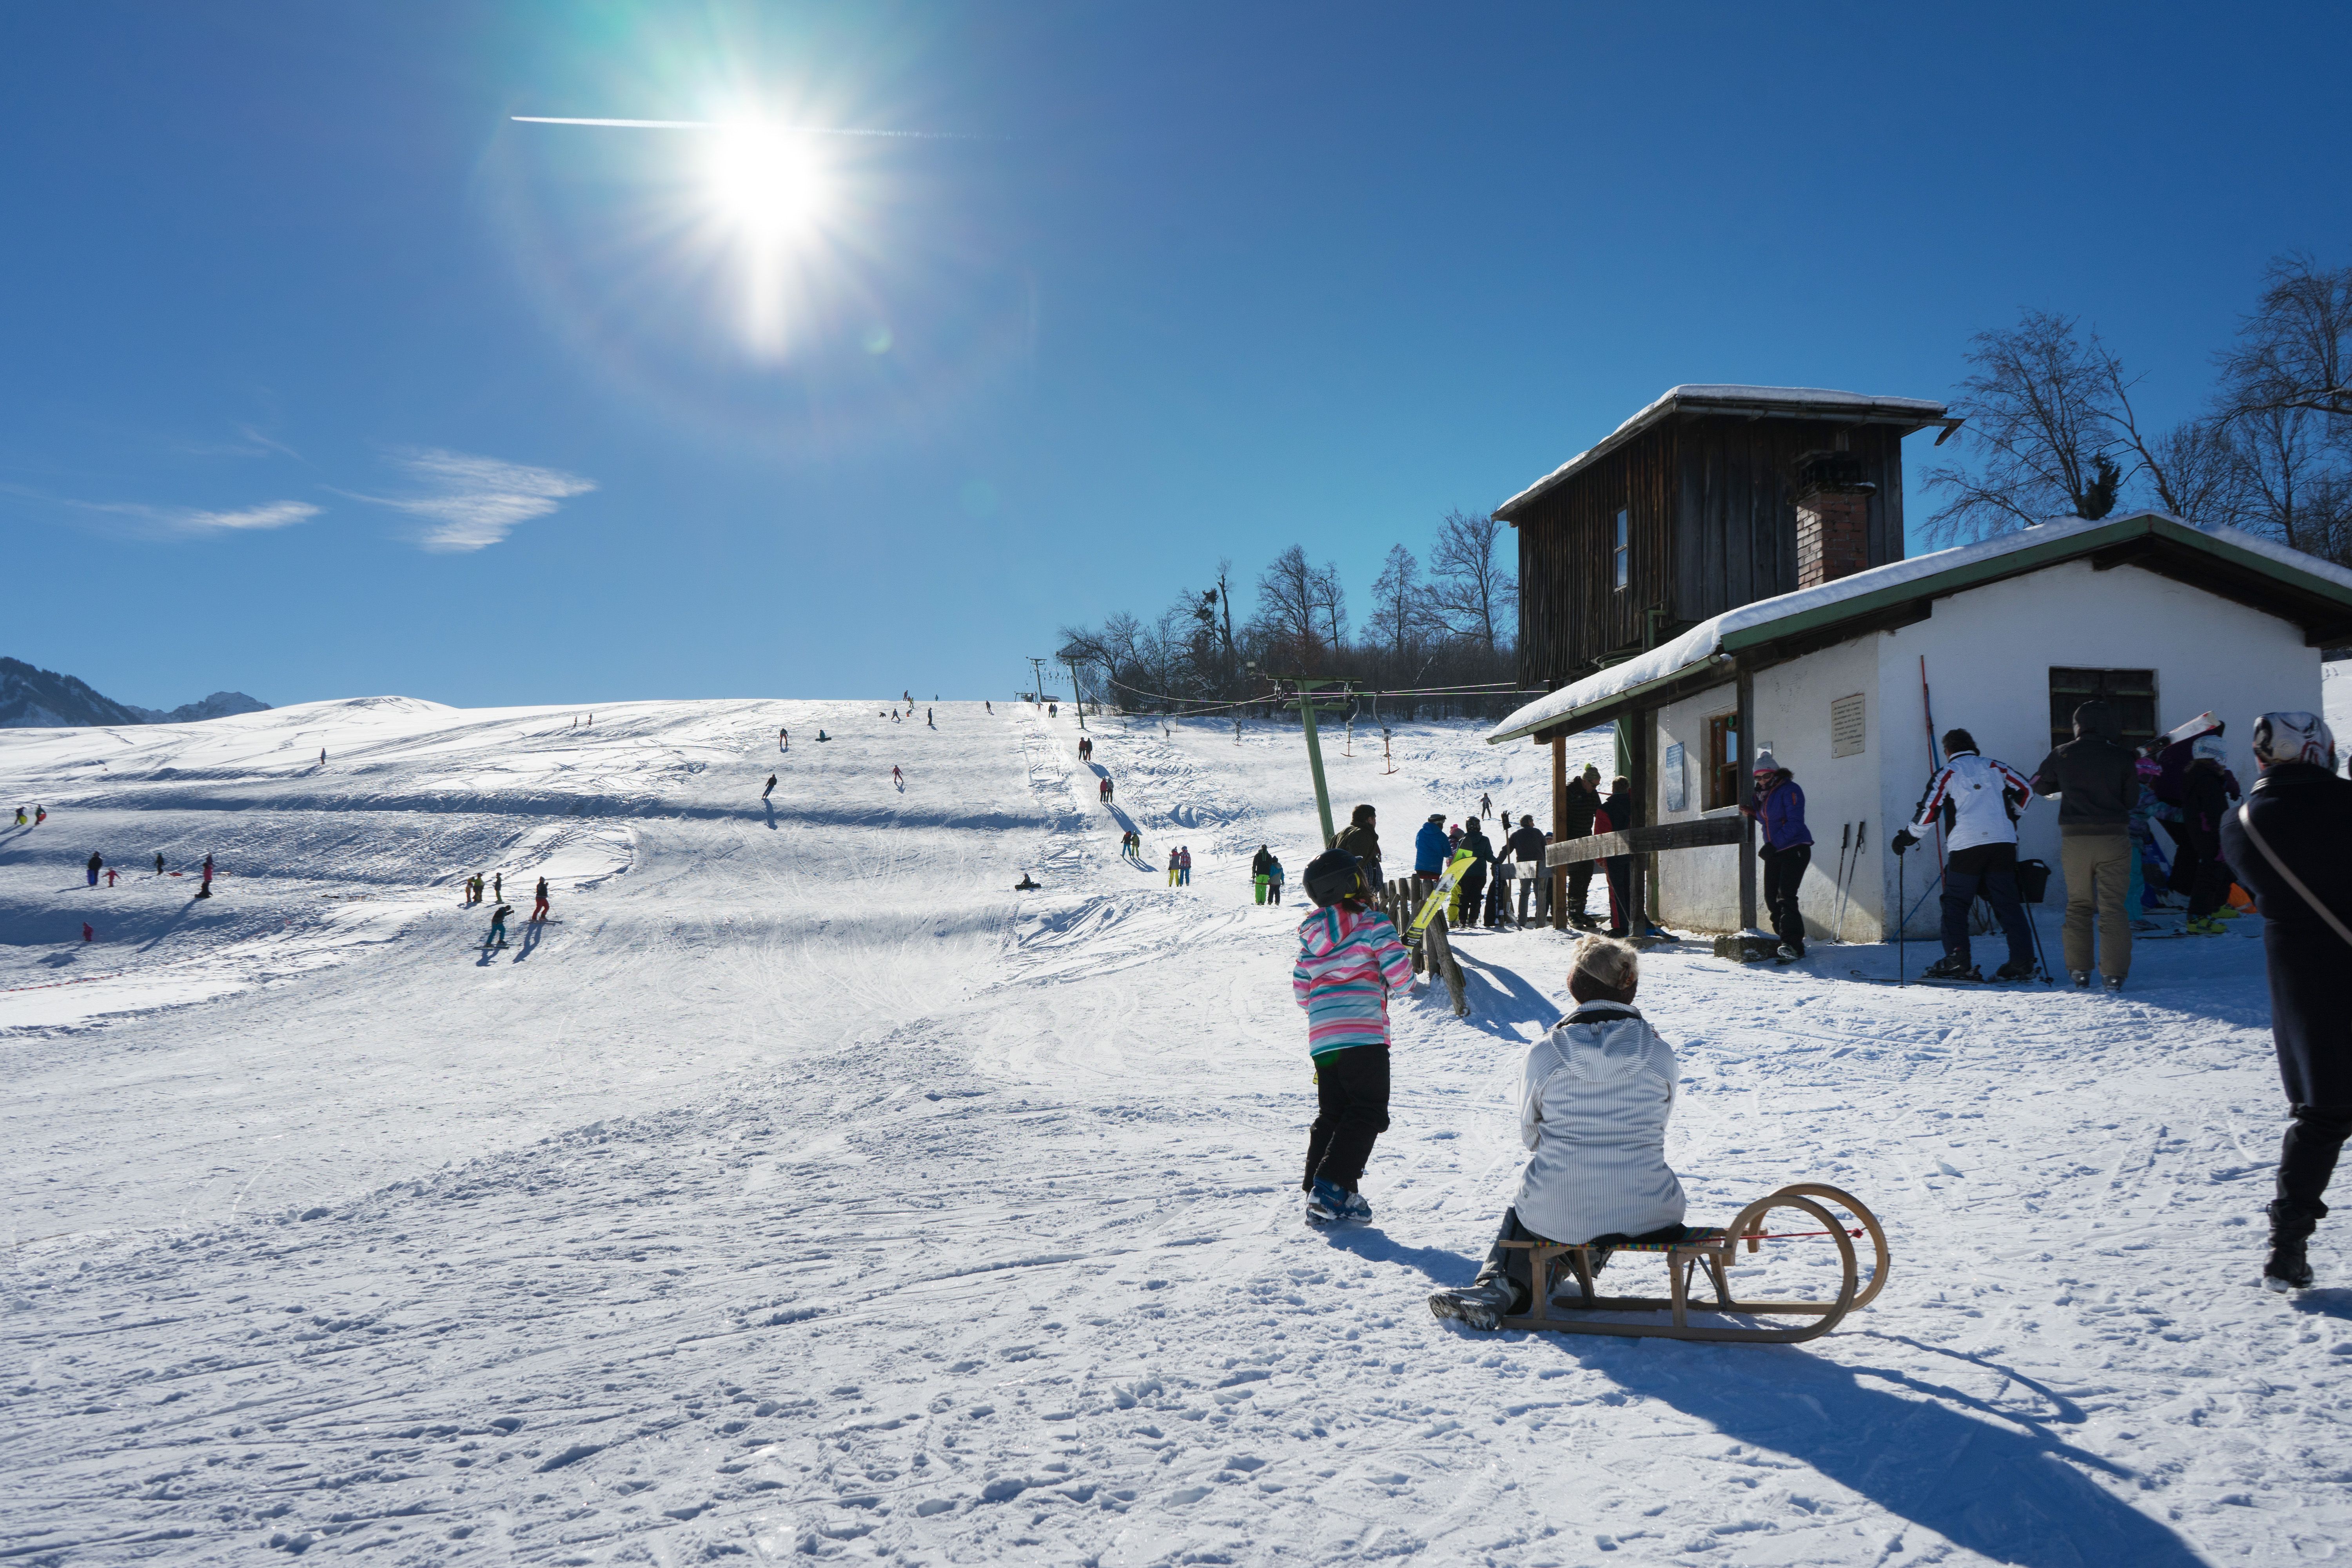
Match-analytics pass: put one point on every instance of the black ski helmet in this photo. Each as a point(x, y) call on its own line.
point(1334, 874)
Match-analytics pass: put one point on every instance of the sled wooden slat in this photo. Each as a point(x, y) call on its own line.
point(1715, 1254)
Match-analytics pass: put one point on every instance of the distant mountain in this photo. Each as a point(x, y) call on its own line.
point(33, 698)
point(219, 705)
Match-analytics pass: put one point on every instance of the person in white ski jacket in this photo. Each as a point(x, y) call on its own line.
point(1976, 801)
point(1594, 1097)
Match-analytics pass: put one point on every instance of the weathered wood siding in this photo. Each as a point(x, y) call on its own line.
point(1713, 526)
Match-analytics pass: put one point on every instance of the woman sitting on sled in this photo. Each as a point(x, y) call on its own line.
point(1594, 1096)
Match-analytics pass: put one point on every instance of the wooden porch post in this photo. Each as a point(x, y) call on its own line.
point(1559, 875)
point(1747, 721)
point(1645, 813)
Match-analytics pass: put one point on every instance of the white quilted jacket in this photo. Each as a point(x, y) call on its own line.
point(1593, 1101)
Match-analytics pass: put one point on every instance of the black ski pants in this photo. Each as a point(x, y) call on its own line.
point(1580, 886)
point(2307, 1155)
point(1989, 870)
point(1784, 873)
point(1351, 1111)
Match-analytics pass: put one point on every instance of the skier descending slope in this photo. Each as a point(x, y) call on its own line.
point(1594, 1096)
point(770, 789)
point(1977, 800)
point(539, 906)
point(2291, 846)
point(1349, 961)
point(496, 936)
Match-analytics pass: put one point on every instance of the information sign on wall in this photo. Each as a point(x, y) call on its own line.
point(1676, 794)
point(1845, 726)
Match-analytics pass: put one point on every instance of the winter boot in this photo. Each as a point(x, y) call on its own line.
point(1327, 1203)
point(2013, 970)
point(1951, 966)
point(2291, 1228)
point(2114, 983)
point(1788, 952)
point(2081, 977)
point(1481, 1306)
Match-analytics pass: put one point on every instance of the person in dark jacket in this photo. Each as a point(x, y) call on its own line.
point(1362, 838)
point(1432, 848)
point(1258, 863)
point(2097, 780)
point(1615, 816)
point(95, 861)
point(1528, 848)
point(1583, 800)
point(1472, 889)
point(1778, 803)
point(2205, 790)
point(2302, 813)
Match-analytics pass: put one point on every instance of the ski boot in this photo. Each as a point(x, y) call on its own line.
point(2013, 970)
point(1480, 1306)
point(2081, 977)
point(1951, 966)
point(2208, 926)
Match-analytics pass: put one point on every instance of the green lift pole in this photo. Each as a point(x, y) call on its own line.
point(1307, 689)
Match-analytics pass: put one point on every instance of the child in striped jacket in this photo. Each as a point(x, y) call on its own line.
point(1349, 961)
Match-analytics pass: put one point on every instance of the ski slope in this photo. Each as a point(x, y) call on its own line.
point(806, 1193)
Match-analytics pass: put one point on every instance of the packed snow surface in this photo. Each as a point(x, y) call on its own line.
point(806, 1193)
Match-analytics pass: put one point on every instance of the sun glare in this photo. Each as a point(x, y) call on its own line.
point(765, 180)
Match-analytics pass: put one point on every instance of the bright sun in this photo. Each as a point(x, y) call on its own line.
point(765, 180)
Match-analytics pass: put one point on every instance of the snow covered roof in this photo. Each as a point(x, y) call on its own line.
point(2305, 578)
point(1786, 402)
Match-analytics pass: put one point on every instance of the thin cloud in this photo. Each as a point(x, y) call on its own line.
point(475, 502)
point(185, 521)
point(277, 514)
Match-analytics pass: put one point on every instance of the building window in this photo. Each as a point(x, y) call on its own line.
point(1722, 761)
point(1621, 553)
point(2130, 692)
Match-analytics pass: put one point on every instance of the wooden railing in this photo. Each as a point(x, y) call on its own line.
point(1698, 834)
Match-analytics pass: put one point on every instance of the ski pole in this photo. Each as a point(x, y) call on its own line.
point(1905, 921)
point(1861, 832)
point(1845, 833)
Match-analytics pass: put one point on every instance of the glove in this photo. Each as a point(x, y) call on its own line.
point(1904, 840)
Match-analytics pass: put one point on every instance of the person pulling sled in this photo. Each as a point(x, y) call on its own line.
point(2290, 845)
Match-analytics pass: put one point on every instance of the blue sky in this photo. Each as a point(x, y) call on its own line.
point(325, 378)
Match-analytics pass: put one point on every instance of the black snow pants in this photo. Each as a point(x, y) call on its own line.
point(1351, 1110)
point(2307, 1155)
point(1784, 872)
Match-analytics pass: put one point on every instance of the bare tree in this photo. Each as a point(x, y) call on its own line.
point(2037, 408)
point(2295, 351)
point(1398, 617)
point(1290, 605)
point(2199, 472)
point(1471, 595)
point(1330, 605)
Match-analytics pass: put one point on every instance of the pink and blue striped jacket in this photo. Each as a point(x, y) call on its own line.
point(1349, 962)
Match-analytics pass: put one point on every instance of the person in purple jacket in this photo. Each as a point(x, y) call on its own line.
point(1777, 805)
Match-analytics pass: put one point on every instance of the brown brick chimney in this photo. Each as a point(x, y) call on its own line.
point(1832, 518)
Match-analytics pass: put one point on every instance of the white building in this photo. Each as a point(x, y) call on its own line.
point(2164, 620)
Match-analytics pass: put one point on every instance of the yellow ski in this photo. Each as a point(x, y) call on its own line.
point(1438, 897)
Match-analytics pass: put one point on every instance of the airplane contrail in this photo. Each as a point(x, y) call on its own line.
point(725, 125)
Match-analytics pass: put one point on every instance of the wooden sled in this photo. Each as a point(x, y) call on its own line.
point(1713, 1251)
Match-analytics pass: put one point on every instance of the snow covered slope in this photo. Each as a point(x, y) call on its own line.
point(806, 1191)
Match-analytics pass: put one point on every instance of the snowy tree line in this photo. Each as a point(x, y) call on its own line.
point(1448, 622)
point(2053, 430)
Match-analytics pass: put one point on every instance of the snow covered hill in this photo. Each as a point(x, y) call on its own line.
point(807, 1192)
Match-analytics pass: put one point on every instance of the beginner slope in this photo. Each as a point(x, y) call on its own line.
point(806, 1191)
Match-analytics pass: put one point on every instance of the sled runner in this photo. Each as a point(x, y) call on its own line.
point(1715, 1252)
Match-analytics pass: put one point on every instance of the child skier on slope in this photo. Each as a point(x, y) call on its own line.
point(1349, 962)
